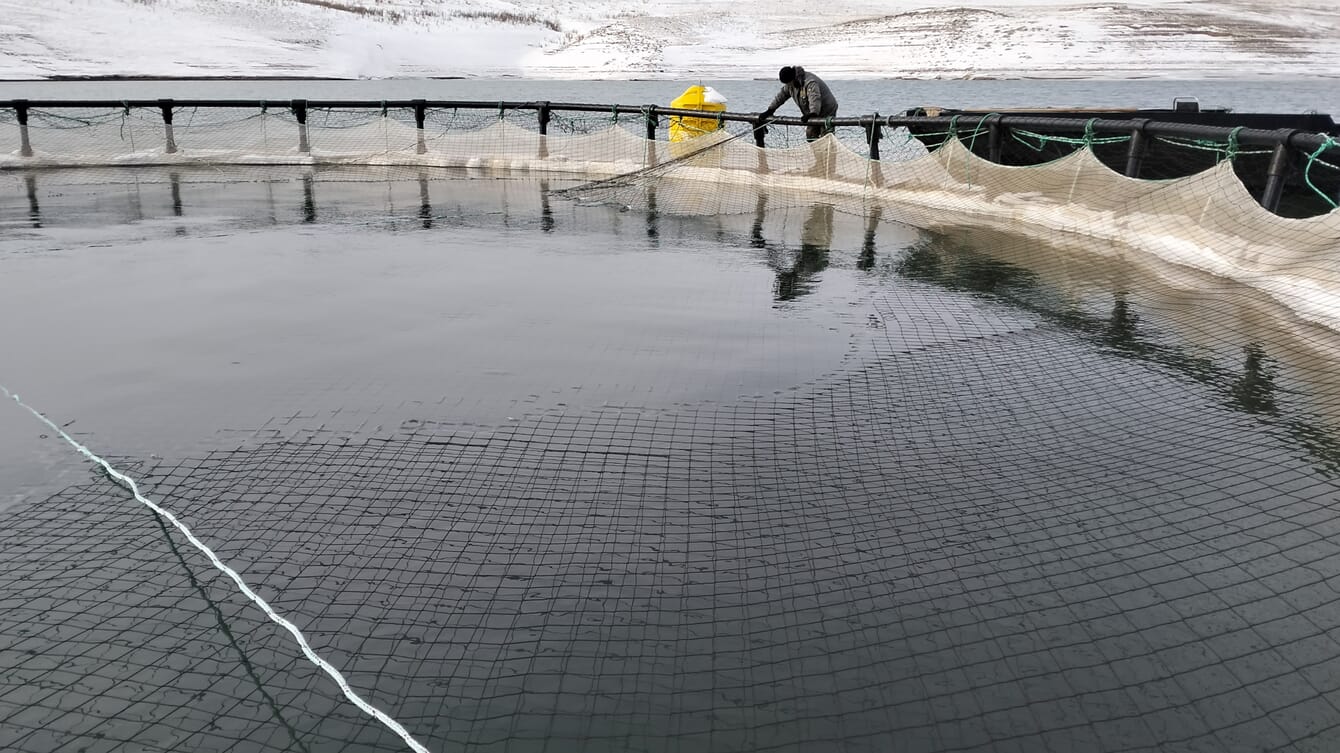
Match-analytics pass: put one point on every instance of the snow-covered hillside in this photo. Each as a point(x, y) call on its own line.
point(669, 38)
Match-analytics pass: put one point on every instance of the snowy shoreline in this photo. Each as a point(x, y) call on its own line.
point(673, 40)
point(1026, 76)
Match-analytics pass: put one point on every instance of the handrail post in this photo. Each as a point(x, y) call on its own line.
point(873, 133)
point(1135, 153)
point(1280, 161)
point(760, 132)
point(543, 113)
point(25, 146)
point(299, 108)
point(995, 139)
point(420, 115)
point(649, 112)
point(165, 106)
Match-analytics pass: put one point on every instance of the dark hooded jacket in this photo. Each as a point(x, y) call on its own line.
point(810, 94)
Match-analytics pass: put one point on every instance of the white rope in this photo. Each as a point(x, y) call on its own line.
point(334, 673)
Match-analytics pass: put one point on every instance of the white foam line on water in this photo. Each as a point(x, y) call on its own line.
point(307, 650)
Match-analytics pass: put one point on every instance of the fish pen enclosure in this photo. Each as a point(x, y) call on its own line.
point(1289, 169)
point(519, 426)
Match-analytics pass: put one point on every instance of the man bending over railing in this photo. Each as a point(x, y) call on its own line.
point(811, 95)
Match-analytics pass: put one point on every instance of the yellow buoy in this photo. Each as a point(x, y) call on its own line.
point(696, 97)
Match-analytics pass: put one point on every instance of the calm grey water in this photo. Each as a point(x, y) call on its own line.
point(856, 97)
point(540, 476)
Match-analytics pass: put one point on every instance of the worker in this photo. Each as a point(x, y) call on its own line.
point(816, 102)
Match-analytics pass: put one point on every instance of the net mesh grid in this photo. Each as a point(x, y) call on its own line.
point(1057, 549)
point(592, 570)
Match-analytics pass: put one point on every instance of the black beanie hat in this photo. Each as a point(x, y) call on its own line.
point(786, 75)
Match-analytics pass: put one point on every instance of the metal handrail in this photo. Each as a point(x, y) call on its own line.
point(1247, 136)
point(1286, 142)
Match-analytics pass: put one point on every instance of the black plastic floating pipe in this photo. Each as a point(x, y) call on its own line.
point(995, 138)
point(1280, 161)
point(1246, 136)
point(1138, 147)
point(873, 132)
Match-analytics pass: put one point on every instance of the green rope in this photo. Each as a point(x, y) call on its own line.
point(1023, 136)
point(1090, 140)
point(75, 122)
point(1207, 145)
point(1202, 144)
point(1307, 170)
point(978, 130)
point(911, 136)
point(1088, 133)
point(576, 124)
point(1231, 152)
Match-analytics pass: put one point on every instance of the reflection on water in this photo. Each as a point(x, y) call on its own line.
point(1024, 273)
point(34, 210)
point(308, 200)
point(798, 270)
point(1121, 325)
point(801, 275)
point(241, 656)
point(867, 260)
point(1241, 370)
point(1254, 390)
point(425, 203)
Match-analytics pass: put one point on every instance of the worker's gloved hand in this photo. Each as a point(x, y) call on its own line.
point(806, 117)
point(767, 115)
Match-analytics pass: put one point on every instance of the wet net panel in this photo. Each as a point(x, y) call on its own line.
point(1068, 481)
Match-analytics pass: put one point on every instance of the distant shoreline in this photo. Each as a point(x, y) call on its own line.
point(1033, 76)
point(146, 77)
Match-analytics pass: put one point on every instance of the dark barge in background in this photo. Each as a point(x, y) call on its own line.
point(1155, 144)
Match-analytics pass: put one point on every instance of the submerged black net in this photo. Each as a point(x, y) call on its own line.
point(961, 490)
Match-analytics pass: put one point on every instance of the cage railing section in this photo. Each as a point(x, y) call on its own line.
point(1292, 152)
